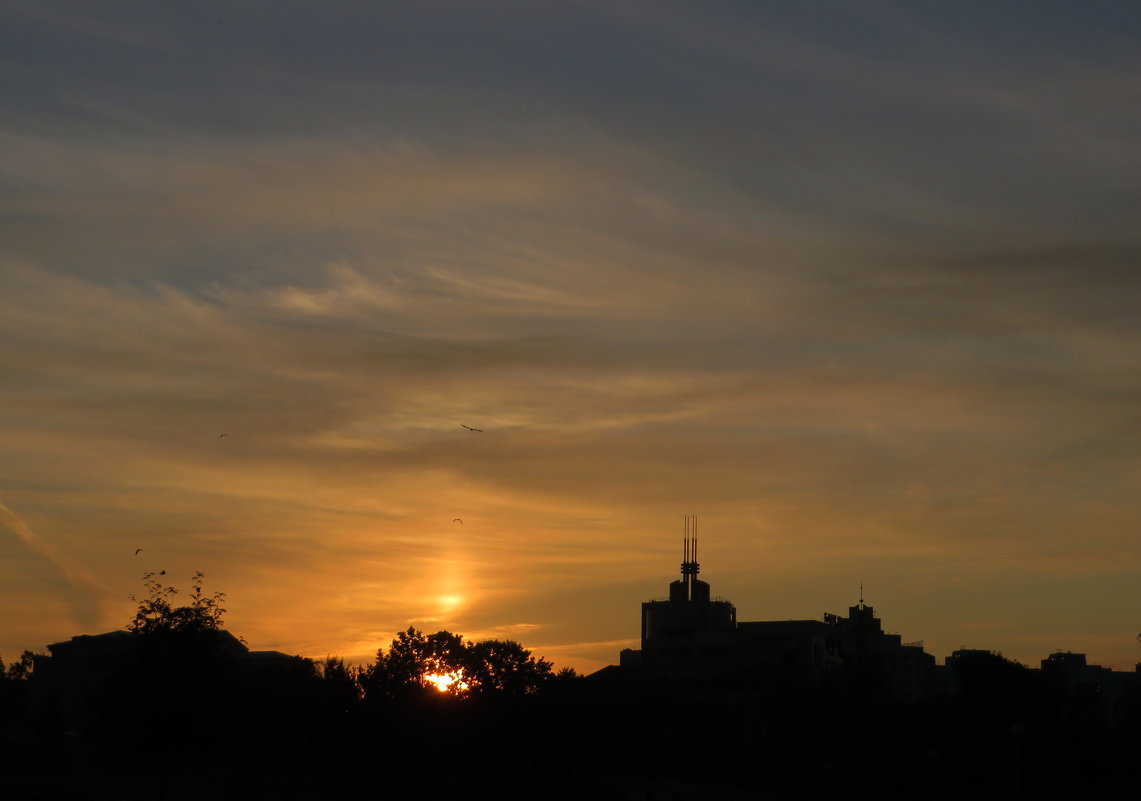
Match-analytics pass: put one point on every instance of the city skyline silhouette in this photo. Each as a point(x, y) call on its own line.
point(178, 707)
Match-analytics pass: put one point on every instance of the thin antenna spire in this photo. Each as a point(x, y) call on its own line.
point(685, 542)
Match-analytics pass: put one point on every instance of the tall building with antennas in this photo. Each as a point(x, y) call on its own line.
point(689, 625)
point(692, 633)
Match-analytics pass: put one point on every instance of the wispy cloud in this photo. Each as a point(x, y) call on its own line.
point(78, 589)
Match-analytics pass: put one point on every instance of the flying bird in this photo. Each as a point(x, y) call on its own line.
point(222, 435)
point(469, 428)
point(457, 520)
point(138, 551)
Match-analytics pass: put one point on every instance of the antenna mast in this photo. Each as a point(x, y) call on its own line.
point(689, 566)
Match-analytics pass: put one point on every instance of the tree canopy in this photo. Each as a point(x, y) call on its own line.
point(447, 662)
point(19, 670)
point(157, 612)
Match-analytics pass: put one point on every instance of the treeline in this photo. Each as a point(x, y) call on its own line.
point(182, 711)
point(176, 702)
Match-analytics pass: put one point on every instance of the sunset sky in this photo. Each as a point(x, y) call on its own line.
point(856, 282)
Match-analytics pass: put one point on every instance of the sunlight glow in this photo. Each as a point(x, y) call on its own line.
point(449, 603)
point(445, 682)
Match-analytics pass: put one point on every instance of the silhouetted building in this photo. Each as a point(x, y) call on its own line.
point(691, 632)
point(865, 646)
point(1096, 692)
point(69, 687)
point(688, 626)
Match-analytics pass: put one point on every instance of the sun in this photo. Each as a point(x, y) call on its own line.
point(446, 682)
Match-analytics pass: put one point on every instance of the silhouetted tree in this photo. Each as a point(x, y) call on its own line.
point(20, 670)
point(340, 683)
point(14, 689)
point(415, 661)
point(486, 695)
point(989, 676)
point(179, 678)
point(411, 658)
point(157, 614)
point(503, 666)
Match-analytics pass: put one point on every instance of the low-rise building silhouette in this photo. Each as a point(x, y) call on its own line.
point(1095, 693)
point(70, 683)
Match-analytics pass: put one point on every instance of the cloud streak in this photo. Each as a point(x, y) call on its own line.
point(78, 589)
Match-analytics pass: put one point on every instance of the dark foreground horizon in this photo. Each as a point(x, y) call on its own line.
point(184, 715)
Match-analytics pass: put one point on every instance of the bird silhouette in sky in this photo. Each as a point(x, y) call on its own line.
point(457, 520)
point(222, 435)
point(469, 428)
point(138, 551)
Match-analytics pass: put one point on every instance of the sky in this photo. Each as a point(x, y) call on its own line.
point(855, 282)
